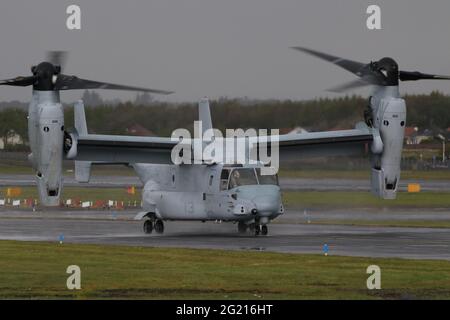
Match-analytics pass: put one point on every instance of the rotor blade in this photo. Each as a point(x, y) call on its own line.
point(64, 82)
point(354, 67)
point(57, 58)
point(19, 81)
point(415, 75)
point(358, 83)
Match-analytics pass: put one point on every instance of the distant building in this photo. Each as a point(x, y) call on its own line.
point(13, 139)
point(138, 130)
point(292, 130)
point(410, 135)
point(414, 136)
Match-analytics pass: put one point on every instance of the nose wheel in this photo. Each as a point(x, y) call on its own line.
point(261, 230)
point(256, 229)
point(264, 230)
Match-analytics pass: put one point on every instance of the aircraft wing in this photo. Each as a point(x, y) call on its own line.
point(158, 150)
point(132, 149)
point(124, 149)
point(325, 143)
point(87, 149)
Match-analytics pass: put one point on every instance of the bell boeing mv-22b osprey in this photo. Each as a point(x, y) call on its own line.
point(203, 178)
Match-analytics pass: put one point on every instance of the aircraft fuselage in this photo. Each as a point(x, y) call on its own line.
point(209, 192)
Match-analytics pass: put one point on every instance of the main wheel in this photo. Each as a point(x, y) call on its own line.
point(159, 226)
point(242, 227)
point(264, 230)
point(148, 226)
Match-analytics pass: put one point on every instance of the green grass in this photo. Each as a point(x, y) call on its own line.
point(15, 169)
point(291, 199)
point(362, 174)
point(38, 270)
point(284, 173)
point(115, 170)
point(343, 199)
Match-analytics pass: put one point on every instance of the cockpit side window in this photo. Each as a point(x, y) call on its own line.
point(267, 179)
point(242, 177)
point(224, 175)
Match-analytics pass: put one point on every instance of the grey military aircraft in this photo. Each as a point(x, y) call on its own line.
point(216, 190)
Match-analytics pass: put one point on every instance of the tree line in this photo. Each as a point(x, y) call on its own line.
point(430, 111)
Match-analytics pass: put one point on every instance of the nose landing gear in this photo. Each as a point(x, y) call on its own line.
point(264, 230)
point(256, 229)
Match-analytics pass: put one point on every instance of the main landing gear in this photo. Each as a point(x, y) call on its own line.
point(157, 225)
point(256, 229)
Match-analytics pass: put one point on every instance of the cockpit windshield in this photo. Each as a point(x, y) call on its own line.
point(234, 177)
point(242, 177)
point(267, 179)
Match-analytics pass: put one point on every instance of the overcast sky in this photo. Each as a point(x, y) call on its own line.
point(216, 48)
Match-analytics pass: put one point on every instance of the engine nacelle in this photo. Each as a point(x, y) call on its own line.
point(48, 151)
point(389, 117)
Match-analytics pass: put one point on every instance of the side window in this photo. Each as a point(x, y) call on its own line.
point(224, 175)
point(224, 179)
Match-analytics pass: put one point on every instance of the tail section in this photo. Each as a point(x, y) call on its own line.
point(80, 118)
point(204, 115)
point(82, 168)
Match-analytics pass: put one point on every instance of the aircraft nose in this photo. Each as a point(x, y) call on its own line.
point(267, 203)
point(263, 200)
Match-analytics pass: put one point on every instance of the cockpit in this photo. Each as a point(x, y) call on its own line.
point(234, 177)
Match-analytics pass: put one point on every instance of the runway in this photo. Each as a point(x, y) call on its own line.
point(286, 184)
point(118, 228)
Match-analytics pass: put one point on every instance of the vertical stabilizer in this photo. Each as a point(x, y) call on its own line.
point(80, 118)
point(202, 141)
point(82, 168)
point(204, 114)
